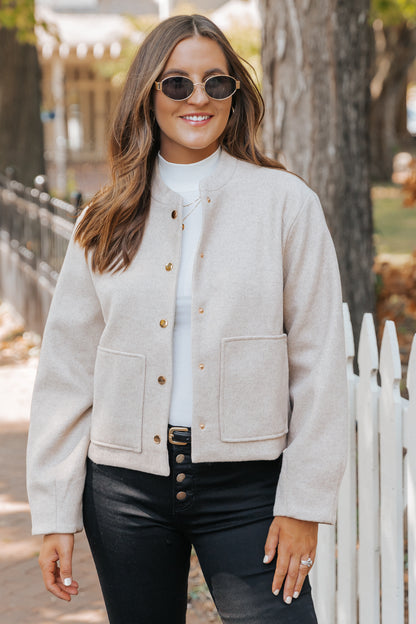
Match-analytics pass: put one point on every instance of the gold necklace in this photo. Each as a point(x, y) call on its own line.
point(197, 202)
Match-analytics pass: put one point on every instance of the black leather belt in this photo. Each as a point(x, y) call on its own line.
point(179, 435)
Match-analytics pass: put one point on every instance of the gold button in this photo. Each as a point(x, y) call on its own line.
point(180, 477)
point(202, 426)
point(180, 458)
point(201, 310)
point(202, 255)
point(174, 214)
point(181, 496)
point(163, 323)
point(209, 200)
point(202, 366)
point(161, 380)
point(156, 439)
point(169, 266)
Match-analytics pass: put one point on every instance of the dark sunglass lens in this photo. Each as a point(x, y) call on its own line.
point(177, 87)
point(220, 87)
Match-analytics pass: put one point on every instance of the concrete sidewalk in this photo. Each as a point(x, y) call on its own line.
point(23, 599)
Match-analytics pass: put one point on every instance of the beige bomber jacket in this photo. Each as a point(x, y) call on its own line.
point(268, 350)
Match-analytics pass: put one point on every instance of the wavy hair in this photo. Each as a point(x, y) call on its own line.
point(113, 224)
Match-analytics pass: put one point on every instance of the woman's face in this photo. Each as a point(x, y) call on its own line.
point(190, 129)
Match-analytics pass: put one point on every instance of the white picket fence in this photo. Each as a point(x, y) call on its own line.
point(362, 563)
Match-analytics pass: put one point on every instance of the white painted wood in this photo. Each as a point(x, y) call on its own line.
point(386, 425)
point(324, 576)
point(410, 444)
point(391, 480)
point(346, 606)
point(368, 475)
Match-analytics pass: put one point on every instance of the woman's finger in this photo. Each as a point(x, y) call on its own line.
point(65, 549)
point(55, 561)
point(51, 578)
point(282, 565)
point(271, 543)
point(304, 569)
point(302, 574)
point(291, 578)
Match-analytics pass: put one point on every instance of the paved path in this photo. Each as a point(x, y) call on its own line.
point(22, 596)
point(23, 599)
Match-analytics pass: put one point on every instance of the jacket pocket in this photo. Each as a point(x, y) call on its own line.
point(254, 388)
point(118, 399)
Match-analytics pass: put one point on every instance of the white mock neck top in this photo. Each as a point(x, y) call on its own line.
point(185, 179)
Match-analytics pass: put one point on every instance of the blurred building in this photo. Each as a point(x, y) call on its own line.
point(79, 52)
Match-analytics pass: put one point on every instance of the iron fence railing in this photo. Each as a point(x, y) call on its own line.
point(35, 229)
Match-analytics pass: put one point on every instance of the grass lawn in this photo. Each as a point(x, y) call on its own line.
point(394, 224)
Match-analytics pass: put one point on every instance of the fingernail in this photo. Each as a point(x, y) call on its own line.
point(276, 592)
point(67, 582)
point(266, 559)
point(288, 600)
point(296, 595)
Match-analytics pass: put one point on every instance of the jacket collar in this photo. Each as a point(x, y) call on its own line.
point(223, 172)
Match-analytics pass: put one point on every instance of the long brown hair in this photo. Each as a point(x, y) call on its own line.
point(113, 224)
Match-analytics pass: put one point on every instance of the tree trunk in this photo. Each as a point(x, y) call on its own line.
point(21, 132)
point(316, 74)
point(395, 50)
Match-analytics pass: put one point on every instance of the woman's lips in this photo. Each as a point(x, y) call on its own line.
point(197, 119)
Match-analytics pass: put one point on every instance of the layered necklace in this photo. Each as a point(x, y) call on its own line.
point(194, 203)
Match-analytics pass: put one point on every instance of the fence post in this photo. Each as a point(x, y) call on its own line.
point(391, 480)
point(323, 575)
point(347, 506)
point(410, 443)
point(368, 475)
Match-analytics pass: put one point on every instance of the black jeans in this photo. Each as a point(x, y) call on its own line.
point(141, 527)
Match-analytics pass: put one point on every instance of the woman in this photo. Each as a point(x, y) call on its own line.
point(200, 288)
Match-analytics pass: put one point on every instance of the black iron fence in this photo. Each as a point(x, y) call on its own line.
point(34, 232)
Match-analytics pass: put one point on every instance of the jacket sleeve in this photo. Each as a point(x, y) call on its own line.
point(62, 400)
point(314, 460)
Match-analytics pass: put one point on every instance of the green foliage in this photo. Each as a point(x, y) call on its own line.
point(19, 15)
point(394, 12)
point(247, 43)
point(394, 223)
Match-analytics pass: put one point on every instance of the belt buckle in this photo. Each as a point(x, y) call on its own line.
point(171, 434)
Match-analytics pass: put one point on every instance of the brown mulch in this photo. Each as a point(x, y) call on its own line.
point(396, 299)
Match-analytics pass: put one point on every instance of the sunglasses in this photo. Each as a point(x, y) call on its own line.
point(181, 88)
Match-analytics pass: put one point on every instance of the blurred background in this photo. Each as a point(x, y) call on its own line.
point(339, 86)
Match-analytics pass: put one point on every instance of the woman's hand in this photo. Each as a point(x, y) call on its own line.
point(295, 540)
point(55, 560)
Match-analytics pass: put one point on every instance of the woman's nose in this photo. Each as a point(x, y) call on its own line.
point(199, 95)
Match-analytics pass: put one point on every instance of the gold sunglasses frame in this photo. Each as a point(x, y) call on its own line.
point(158, 85)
